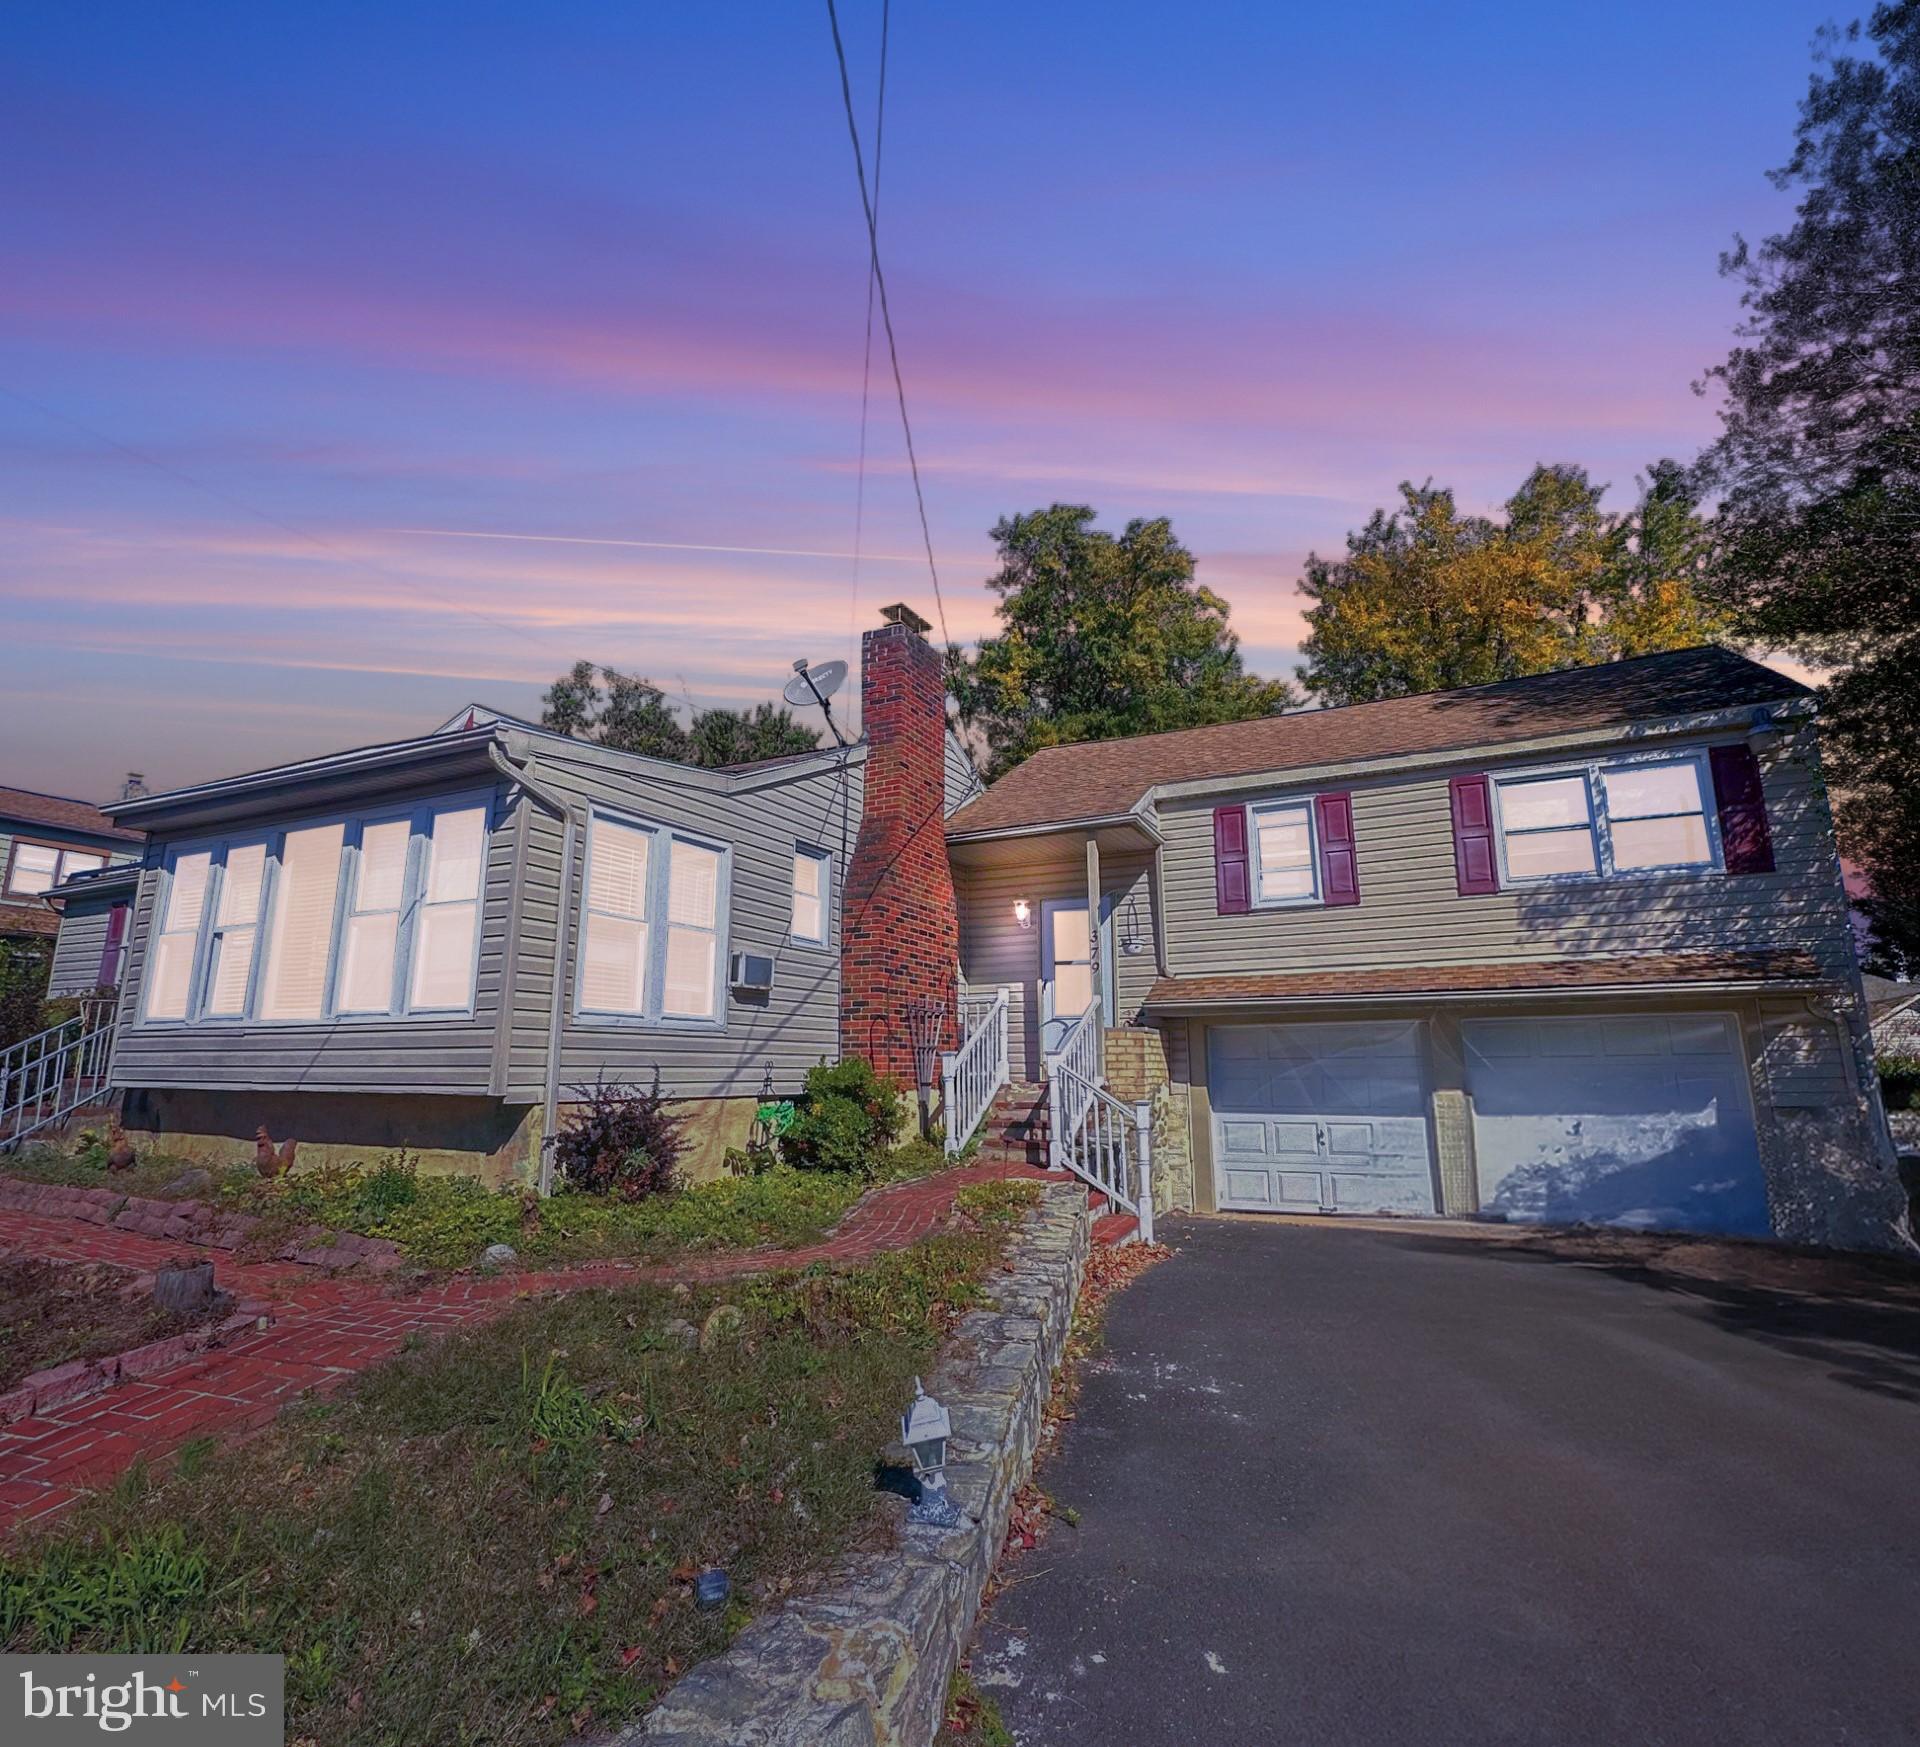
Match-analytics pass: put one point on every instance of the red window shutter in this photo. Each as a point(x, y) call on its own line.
point(1474, 863)
point(1337, 863)
point(1232, 882)
point(1745, 837)
point(116, 945)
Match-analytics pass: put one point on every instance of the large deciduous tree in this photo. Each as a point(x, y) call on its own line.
point(1818, 461)
point(632, 715)
point(1426, 598)
point(1102, 635)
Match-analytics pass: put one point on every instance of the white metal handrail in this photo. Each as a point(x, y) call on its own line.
point(1102, 1141)
point(46, 1077)
point(1080, 1052)
point(972, 1075)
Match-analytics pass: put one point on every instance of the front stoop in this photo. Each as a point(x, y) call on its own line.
point(865, 1661)
point(1015, 1132)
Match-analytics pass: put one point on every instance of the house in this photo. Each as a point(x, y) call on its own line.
point(46, 840)
point(1893, 1009)
point(1570, 947)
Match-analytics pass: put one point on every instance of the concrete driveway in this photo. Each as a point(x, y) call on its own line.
point(1341, 1485)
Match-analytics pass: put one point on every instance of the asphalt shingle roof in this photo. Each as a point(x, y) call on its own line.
point(58, 813)
point(1098, 779)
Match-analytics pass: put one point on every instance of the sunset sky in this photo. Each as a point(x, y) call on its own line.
point(361, 360)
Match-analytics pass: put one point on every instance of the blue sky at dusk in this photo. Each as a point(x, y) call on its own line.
point(356, 361)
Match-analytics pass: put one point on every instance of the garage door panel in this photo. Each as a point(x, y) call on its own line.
point(1336, 1111)
point(1652, 1129)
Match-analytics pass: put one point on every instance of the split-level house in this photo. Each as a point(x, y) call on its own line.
point(47, 841)
point(1569, 948)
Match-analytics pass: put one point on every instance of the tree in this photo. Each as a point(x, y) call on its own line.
point(745, 736)
point(1818, 459)
point(1101, 636)
point(1427, 598)
point(632, 715)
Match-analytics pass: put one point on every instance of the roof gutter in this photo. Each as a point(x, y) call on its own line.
point(1131, 819)
point(1590, 991)
point(568, 816)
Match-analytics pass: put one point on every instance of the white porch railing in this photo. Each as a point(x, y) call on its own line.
point(972, 1075)
point(46, 1077)
point(1090, 1132)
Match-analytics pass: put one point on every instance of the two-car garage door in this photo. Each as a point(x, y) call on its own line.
point(1622, 1119)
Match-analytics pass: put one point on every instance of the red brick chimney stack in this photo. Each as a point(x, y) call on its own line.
point(900, 928)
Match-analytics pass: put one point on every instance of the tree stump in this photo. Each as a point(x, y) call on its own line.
point(184, 1287)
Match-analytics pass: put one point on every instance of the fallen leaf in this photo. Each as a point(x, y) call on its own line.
point(630, 1655)
point(605, 1504)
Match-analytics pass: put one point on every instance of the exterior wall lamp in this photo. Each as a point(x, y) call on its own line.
point(1764, 733)
point(1023, 912)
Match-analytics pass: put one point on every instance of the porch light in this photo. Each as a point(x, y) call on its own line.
point(1023, 912)
point(1764, 733)
point(925, 1428)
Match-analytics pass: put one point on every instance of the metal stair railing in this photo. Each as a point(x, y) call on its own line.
point(46, 1077)
point(1091, 1133)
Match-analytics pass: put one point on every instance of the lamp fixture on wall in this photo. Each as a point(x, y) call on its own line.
point(1023, 912)
point(1763, 735)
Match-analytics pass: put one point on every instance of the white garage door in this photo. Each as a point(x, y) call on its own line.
point(1319, 1118)
point(1632, 1119)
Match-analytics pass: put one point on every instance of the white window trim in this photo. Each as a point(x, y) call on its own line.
point(1600, 825)
point(824, 857)
point(62, 852)
point(1316, 899)
point(420, 813)
point(653, 974)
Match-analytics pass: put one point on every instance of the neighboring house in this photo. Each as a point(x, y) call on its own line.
point(1894, 1012)
point(46, 840)
point(1572, 947)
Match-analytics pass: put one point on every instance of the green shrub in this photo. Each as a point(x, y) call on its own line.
point(1900, 1081)
point(850, 1121)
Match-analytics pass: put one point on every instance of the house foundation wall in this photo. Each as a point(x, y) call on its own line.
point(476, 1137)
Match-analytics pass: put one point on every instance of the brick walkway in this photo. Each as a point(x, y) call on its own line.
point(325, 1328)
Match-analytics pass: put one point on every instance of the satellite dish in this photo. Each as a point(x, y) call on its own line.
point(814, 685)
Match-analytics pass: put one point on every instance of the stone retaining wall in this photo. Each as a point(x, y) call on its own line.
point(197, 1222)
point(865, 1660)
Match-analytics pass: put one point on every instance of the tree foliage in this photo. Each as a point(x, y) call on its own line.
point(1818, 461)
point(1102, 635)
point(632, 715)
point(1426, 598)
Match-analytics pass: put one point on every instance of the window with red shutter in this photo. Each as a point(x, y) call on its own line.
point(1232, 884)
point(1746, 839)
point(1339, 869)
point(1475, 868)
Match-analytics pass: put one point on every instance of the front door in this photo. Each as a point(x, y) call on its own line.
point(1066, 966)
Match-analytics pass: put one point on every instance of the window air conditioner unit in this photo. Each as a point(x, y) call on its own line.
point(751, 972)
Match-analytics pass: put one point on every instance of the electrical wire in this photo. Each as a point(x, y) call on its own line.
point(866, 356)
point(886, 318)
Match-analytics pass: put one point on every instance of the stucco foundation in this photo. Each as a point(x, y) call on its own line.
point(475, 1137)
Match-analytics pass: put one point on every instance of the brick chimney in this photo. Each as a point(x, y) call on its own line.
point(900, 928)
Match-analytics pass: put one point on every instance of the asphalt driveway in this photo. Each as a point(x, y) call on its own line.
point(1341, 1485)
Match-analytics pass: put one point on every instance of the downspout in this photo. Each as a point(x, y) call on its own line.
point(563, 928)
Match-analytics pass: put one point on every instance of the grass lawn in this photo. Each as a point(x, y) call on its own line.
point(445, 1222)
point(493, 1538)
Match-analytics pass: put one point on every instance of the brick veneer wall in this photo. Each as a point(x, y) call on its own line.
point(900, 929)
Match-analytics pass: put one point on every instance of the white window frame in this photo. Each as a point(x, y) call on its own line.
point(62, 854)
point(653, 973)
point(1287, 900)
point(1600, 824)
point(420, 815)
point(823, 859)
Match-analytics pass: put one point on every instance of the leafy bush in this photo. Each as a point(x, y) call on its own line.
point(1900, 1081)
point(619, 1141)
point(851, 1119)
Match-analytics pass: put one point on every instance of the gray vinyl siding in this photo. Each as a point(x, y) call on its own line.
point(963, 781)
point(1411, 912)
point(437, 1054)
point(762, 819)
point(996, 952)
point(78, 949)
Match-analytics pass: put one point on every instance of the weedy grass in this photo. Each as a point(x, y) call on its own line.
point(493, 1538)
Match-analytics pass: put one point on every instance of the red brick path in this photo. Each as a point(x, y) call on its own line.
point(325, 1328)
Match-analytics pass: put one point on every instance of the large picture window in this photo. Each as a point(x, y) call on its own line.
point(653, 937)
point(351, 918)
point(1610, 818)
